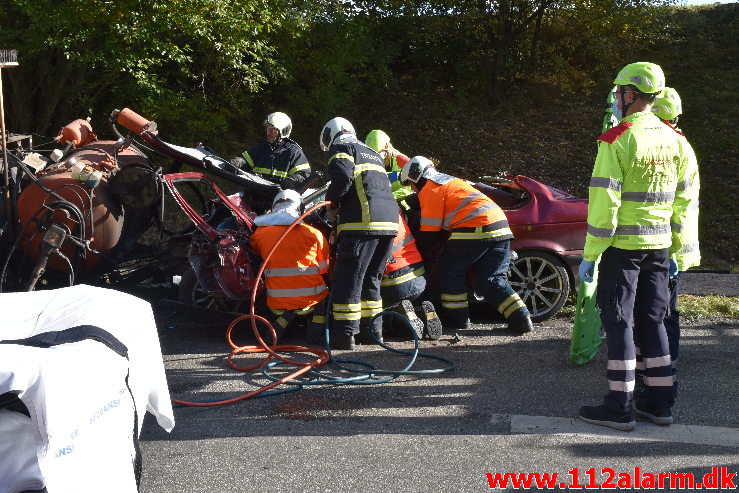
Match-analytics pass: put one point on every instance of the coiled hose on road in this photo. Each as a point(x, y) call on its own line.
point(364, 375)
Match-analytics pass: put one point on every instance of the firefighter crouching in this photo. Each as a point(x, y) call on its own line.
point(404, 282)
point(367, 221)
point(294, 274)
point(479, 239)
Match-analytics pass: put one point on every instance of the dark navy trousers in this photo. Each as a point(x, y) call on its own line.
point(672, 327)
point(489, 260)
point(633, 298)
point(355, 282)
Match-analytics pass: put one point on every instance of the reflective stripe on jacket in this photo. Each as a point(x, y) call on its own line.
point(456, 206)
point(293, 272)
point(361, 189)
point(285, 164)
point(689, 254)
point(404, 251)
point(634, 201)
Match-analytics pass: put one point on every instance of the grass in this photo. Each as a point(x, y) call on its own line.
point(707, 307)
point(692, 308)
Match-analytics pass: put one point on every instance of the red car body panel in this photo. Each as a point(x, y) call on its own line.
point(544, 218)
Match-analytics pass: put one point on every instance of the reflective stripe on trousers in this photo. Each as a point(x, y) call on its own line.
point(355, 281)
point(633, 297)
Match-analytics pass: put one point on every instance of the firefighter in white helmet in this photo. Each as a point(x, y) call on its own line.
point(278, 158)
point(478, 239)
point(296, 273)
point(367, 221)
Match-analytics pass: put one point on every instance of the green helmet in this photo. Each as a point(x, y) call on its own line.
point(377, 140)
point(646, 77)
point(668, 106)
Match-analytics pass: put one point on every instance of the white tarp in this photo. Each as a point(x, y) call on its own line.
point(81, 408)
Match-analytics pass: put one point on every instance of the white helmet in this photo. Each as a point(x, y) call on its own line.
point(415, 169)
point(281, 122)
point(287, 196)
point(333, 128)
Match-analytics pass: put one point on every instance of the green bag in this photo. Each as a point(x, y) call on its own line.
point(587, 335)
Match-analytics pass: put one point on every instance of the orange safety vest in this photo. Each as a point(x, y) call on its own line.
point(404, 251)
point(293, 272)
point(454, 205)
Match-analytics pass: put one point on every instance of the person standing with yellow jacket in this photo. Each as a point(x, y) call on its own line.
point(668, 107)
point(636, 211)
point(479, 240)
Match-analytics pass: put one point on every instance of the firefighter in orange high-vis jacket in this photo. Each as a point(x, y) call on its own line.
point(404, 283)
point(479, 240)
point(294, 274)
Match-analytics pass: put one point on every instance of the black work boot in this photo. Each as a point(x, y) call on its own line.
point(603, 416)
point(433, 327)
point(406, 309)
point(521, 325)
point(661, 416)
point(364, 337)
point(342, 340)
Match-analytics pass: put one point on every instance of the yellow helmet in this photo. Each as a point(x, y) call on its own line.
point(668, 105)
point(645, 76)
point(377, 140)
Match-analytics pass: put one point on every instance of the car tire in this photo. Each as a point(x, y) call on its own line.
point(541, 280)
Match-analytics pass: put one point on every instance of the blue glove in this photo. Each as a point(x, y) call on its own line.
point(673, 268)
point(587, 267)
point(394, 176)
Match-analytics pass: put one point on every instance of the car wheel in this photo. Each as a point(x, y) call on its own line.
point(541, 280)
point(190, 291)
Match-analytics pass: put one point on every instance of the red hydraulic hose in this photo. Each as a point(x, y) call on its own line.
point(262, 347)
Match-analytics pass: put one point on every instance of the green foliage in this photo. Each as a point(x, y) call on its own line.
point(480, 86)
point(707, 307)
point(144, 54)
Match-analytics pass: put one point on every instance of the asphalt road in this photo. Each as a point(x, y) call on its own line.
point(509, 406)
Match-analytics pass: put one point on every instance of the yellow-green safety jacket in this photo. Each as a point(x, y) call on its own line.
point(640, 190)
point(689, 255)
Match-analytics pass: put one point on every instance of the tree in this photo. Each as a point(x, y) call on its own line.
point(164, 57)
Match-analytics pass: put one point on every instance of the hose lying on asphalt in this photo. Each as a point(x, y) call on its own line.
point(366, 374)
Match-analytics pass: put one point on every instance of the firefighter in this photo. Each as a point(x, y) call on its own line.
point(278, 158)
point(479, 239)
point(367, 221)
point(668, 108)
point(404, 282)
point(295, 273)
point(394, 162)
point(637, 206)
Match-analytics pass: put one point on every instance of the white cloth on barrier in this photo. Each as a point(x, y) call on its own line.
point(81, 408)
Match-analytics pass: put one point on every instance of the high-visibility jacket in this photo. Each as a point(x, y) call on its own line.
point(689, 255)
point(293, 272)
point(452, 204)
point(404, 251)
point(397, 163)
point(361, 189)
point(635, 200)
point(284, 163)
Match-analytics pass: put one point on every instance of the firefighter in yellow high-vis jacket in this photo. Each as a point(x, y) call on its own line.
point(636, 210)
